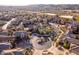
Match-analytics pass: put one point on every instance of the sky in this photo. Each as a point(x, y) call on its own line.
point(29, 2)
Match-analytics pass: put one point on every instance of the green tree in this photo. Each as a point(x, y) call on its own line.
point(66, 44)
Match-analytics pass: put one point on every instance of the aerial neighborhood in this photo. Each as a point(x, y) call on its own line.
point(40, 31)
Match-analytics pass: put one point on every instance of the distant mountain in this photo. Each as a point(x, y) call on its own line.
point(53, 7)
point(43, 7)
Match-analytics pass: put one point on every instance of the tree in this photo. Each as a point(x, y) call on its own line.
point(10, 32)
point(28, 51)
point(66, 44)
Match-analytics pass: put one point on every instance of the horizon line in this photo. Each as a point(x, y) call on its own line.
point(39, 4)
